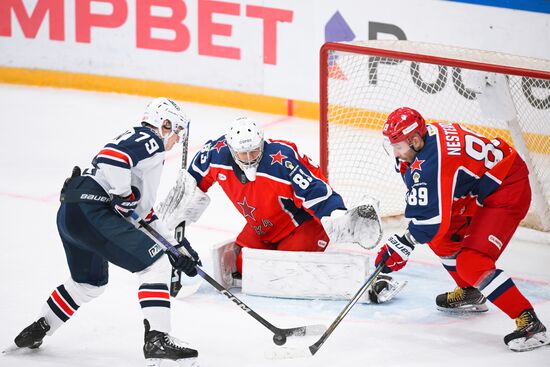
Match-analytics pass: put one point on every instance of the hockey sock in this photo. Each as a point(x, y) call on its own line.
point(478, 268)
point(154, 300)
point(65, 300)
point(503, 293)
point(449, 263)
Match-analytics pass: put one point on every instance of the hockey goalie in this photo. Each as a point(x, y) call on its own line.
point(289, 207)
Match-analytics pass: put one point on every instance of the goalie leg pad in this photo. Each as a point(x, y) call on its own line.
point(224, 264)
point(304, 275)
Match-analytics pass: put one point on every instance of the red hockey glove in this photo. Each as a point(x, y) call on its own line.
point(394, 253)
point(125, 206)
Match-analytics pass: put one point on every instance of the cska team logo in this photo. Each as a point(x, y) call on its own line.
point(277, 158)
point(416, 165)
point(247, 209)
point(219, 145)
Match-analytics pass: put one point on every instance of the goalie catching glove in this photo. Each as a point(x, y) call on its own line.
point(184, 203)
point(360, 224)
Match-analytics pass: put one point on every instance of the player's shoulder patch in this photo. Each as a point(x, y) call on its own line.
point(432, 130)
point(139, 143)
point(287, 148)
point(217, 145)
point(213, 151)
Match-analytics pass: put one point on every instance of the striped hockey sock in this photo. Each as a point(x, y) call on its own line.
point(449, 263)
point(59, 308)
point(503, 293)
point(154, 299)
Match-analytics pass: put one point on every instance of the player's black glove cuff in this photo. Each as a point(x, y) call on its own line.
point(185, 263)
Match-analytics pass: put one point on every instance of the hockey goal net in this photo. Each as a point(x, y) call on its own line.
point(492, 93)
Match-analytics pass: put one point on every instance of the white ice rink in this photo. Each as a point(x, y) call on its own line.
point(47, 131)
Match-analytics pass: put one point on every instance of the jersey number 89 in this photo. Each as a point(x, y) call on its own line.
point(418, 196)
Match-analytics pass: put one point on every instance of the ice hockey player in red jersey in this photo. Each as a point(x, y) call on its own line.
point(284, 197)
point(93, 226)
point(466, 197)
point(274, 188)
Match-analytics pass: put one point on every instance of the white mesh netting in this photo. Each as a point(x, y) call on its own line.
point(362, 89)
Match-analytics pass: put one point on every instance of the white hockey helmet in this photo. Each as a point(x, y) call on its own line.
point(245, 139)
point(161, 109)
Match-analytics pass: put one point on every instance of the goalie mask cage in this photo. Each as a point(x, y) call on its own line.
point(492, 93)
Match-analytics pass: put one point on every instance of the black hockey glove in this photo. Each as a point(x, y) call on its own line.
point(185, 263)
point(125, 206)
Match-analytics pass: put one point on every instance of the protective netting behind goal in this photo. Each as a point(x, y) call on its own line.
point(494, 94)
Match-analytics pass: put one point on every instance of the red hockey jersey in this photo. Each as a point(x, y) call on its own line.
point(451, 175)
point(288, 189)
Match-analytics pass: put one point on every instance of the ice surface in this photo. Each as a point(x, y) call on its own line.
point(47, 131)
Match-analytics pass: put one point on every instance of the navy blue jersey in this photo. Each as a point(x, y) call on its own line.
point(452, 175)
point(134, 158)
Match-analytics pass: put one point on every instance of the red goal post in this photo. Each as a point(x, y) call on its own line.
point(493, 93)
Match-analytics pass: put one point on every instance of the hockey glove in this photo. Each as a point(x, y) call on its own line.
point(188, 260)
point(125, 206)
point(394, 253)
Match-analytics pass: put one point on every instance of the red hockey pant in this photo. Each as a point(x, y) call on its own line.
point(308, 236)
point(471, 246)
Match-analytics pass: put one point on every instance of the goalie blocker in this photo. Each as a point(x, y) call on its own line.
point(327, 275)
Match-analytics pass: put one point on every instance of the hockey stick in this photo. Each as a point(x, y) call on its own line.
point(279, 336)
point(175, 279)
point(288, 352)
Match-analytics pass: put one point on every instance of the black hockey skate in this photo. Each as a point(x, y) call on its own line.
point(462, 300)
point(530, 333)
point(32, 336)
point(161, 346)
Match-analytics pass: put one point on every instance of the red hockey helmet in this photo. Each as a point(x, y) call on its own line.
point(402, 124)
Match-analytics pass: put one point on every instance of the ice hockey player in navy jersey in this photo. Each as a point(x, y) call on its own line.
point(466, 197)
point(93, 226)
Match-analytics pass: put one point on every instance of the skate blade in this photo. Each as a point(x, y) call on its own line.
point(185, 362)
point(465, 309)
point(524, 345)
point(10, 349)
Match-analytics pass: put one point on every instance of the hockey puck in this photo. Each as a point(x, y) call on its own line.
point(279, 339)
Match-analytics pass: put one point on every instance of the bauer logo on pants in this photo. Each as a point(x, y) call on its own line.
point(495, 241)
point(153, 251)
